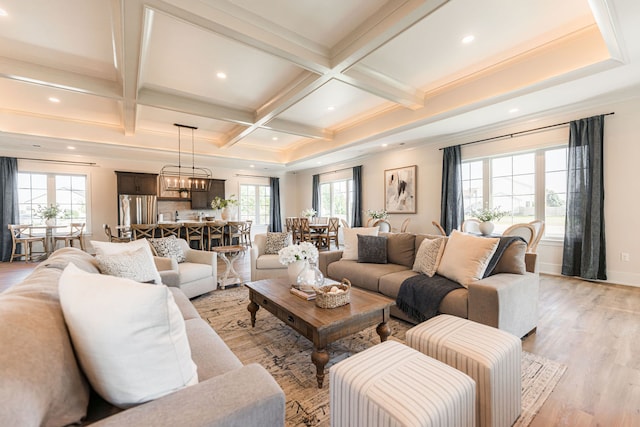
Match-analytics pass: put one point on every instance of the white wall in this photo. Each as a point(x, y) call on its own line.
point(622, 178)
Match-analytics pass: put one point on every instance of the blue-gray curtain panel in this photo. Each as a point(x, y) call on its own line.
point(8, 203)
point(584, 253)
point(451, 204)
point(315, 194)
point(275, 220)
point(356, 211)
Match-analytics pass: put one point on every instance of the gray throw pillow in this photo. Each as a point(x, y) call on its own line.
point(277, 241)
point(168, 247)
point(372, 249)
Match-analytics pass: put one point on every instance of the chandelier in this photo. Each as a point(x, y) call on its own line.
point(184, 178)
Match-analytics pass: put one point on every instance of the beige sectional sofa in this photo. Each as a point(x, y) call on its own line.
point(41, 382)
point(506, 301)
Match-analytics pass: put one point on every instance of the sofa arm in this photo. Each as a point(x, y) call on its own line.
point(326, 258)
point(170, 278)
point(201, 257)
point(248, 396)
point(506, 301)
point(530, 262)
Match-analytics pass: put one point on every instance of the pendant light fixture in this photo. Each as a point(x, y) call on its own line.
point(182, 178)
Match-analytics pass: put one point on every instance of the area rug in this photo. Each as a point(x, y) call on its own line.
point(287, 356)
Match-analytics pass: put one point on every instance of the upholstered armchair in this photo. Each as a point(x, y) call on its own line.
point(197, 275)
point(265, 266)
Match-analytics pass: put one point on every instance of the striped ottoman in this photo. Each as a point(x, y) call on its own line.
point(488, 355)
point(391, 384)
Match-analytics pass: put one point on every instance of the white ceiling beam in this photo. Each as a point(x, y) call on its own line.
point(299, 129)
point(133, 17)
point(184, 104)
point(383, 86)
point(51, 77)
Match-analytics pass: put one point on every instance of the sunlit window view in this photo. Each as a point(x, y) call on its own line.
point(255, 203)
point(513, 184)
point(336, 198)
point(37, 191)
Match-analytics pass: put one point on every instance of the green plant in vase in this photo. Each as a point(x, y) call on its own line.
point(50, 213)
point(218, 203)
point(487, 216)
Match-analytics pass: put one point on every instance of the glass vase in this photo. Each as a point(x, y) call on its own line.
point(310, 277)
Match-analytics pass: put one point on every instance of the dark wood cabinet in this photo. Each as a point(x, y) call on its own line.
point(202, 199)
point(137, 183)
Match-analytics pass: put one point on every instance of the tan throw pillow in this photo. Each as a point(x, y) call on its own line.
point(277, 241)
point(400, 248)
point(429, 256)
point(512, 260)
point(129, 337)
point(465, 257)
point(351, 240)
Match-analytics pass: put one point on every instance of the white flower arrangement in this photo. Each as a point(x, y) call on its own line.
point(308, 212)
point(301, 251)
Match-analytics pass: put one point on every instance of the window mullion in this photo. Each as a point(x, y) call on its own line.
point(540, 191)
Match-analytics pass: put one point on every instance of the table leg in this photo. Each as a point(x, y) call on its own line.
point(253, 309)
point(383, 331)
point(230, 276)
point(320, 358)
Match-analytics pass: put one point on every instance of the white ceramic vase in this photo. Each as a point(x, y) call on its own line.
point(50, 222)
point(225, 213)
point(486, 228)
point(294, 270)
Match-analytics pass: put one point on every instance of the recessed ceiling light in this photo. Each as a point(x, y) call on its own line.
point(468, 39)
point(221, 75)
point(318, 163)
point(385, 145)
point(54, 99)
point(275, 138)
point(331, 108)
point(514, 110)
point(252, 166)
point(3, 12)
point(69, 147)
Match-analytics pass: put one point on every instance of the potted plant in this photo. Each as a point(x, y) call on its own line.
point(218, 203)
point(49, 214)
point(295, 257)
point(381, 214)
point(184, 193)
point(309, 213)
point(486, 216)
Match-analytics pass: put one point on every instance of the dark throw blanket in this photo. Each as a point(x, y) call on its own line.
point(420, 296)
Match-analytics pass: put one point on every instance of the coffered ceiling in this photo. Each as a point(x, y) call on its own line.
point(288, 83)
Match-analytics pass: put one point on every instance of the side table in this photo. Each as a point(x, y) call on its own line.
point(230, 275)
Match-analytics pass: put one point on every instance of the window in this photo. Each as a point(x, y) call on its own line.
point(527, 186)
point(41, 190)
point(336, 198)
point(255, 203)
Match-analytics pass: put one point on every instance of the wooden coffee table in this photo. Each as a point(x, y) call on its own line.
point(321, 326)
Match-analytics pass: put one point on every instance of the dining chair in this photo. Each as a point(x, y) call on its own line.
point(20, 235)
point(305, 231)
point(288, 223)
point(195, 232)
point(331, 234)
point(345, 224)
point(111, 237)
point(526, 231)
point(538, 226)
point(437, 225)
point(246, 233)
point(143, 231)
point(170, 229)
point(215, 233)
point(471, 225)
point(76, 232)
point(296, 233)
point(405, 225)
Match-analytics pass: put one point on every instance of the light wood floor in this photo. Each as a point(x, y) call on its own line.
point(592, 328)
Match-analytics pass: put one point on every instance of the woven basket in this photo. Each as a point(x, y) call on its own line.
point(326, 300)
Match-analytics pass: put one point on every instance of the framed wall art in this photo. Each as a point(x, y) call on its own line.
point(400, 190)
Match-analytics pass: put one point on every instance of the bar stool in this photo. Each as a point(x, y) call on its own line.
point(167, 230)
point(215, 231)
point(195, 233)
point(143, 231)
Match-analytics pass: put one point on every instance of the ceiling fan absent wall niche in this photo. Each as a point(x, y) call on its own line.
point(183, 178)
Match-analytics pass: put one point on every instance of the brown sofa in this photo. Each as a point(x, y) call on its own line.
point(506, 301)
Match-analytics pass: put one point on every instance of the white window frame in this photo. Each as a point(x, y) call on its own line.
point(256, 215)
point(349, 201)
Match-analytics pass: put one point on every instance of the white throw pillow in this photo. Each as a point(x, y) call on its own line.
point(112, 248)
point(130, 265)
point(351, 240)
point(429, 255)
point(466, 257)
point(129, 337)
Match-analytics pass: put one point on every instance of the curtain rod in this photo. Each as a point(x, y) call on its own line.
point(510, 135)
point(68, 162)
point(337, 170)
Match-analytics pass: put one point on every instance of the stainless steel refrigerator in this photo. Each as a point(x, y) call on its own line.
point(137, 210)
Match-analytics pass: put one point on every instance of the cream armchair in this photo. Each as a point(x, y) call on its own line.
point(195, 276)
point(265, 266)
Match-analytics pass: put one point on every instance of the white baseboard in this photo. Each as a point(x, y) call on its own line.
point(613, 277)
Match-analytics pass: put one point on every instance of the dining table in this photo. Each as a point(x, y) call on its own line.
point(49, 244)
